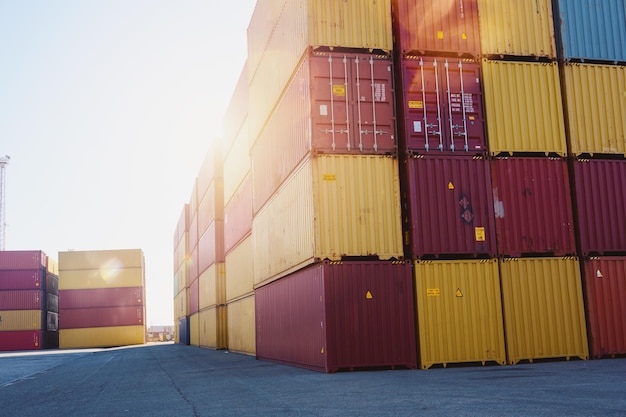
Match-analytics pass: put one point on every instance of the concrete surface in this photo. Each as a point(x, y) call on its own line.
point(172, 380)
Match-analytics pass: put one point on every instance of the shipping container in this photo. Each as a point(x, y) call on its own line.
point(235, 117)
point(240, 328)
point(517, 28)
point(101, 259)
point(210, 171)
point(433, 27)
point(211, 206)
point(181, 251)
point(52, 283)
point(52, 321)
point(237, 165)
point(442, 105)
point(182, 225)
point(101, 297)
point(211, 246)
point(213, 330)
point(52, 303)
point(181, 304)
point(596, 108)
point(532, 122)
point(78, 318)
point(332, 207)
point(194, 329)
point(20, 260)
point(16, 320)
point(449, 207)
point(111, 277)
point(193, 202)
point(239, 270)
point(102, 337)
point(592, 29)
point(24, 279)
point(544, 315)
point(194, 294)
point(22, 300)
point(238, 215)
point(601, 203)
point(459, 312)
point(605, 286)
point(51, 340)
point(182, 277)
point(339, 315)
point(192, 264)
point(183, 331)
point(52, 266)
point(211, 286)
point(21, 340)
point(193, 236)
point(533, 207)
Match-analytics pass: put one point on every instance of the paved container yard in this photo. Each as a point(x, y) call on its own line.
point(173, 380)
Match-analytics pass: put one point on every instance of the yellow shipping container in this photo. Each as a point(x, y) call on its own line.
point(194, 329)
point(213, 331)
point(181, 304)
point(596, 107)
point(181, 251)
point(239, 271)
point(523, 108)
point(182, 278)
point(241, 326)
point(101, 337)
point(522, 28)
point(101, 259)
point(17, 320)
point(459, 312)
point(212, 286)
point(236, 164)
point(77, 279)
point(544, 314)
point(331, 207)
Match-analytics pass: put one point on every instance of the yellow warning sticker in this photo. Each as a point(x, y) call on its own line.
point(480, 234)
point(459, 293)
point(416, 104)
point(329, 177)
point(368, 295)
point(463, 36)
point(450, 186)
point(339, 90)
point(432, 292)
point(440, 34)
point(322, 351)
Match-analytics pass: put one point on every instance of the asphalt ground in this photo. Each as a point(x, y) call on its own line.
point(173, 380)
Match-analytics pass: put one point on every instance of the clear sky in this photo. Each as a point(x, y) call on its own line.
point(107, 108)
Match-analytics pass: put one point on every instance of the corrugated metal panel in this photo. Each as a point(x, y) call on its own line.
point(182, 225)
point(442, 105)
point(605, 286)
point(101, 317)
point(194, 329)
point(52, 321)
point(543, 309)
point(22, 300)
point(183, 331)
point(102, 297)
point(533, 206)
point(332, 207)
point(16, 320)
point(97, 337)
point(181, 304)
point(596, 108)
point(522, 28)
point(52, 303)
point(213, 328)
point(209, 208)
point(180, 252)
point(459, 312)
point(52, 266)
point(260, 28)
point(449, 207)
point(314, 317)
point(107, 277)
point(211, 169)
point(235, 116)
point(238, 215)
point(194, 272)
point(593, 29)
point(97, 259)
point(20, 260)
point(194, 294)
point(51, 340)
point(533, 122)
point(212, 283)
point(241, 332)
point(239, 270)
point(52, 283)
point(182, 277)
point(237, 164)
point(193, 236)
point(427, 26)
point(26, 279)
point(211, 246)
point(21, 340)
point(601, 204)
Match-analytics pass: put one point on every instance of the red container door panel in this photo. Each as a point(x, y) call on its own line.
point(21, 340)
point(449, 207)
point(533, 207)
point(101, 317)
point(194, 296)
point(443, 106)
point(22, 300)
point(20, 260)
point(238, 215)
point(601, 204)
point(605, 287)
point(101, 297)
point(22, 279)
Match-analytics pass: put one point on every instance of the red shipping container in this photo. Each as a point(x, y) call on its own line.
point(101, 297)
point(533, 207)
point(238, 215)
point(25, 279)
point(436, 26)
point(22, 300)
point(339, 315)
point(18, 260)
point(194, 296)
point(449, 207)
point(600, 188)
point(22, 340)
point(101, 317)
point(442, 106)
point(211, 246)
point(605, 287)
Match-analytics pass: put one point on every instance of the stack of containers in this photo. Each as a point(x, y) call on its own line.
point(28, 301)
point(446, 183)
point(326, 227)
point(592, 56)
point(101, 298)
point(238, 222)
point(181, 278)
point(541, 284)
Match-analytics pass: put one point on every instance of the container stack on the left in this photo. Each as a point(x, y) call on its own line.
point(28, 301)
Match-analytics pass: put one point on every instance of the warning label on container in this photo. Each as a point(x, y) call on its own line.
point(432, 292)
point(380, 92)
point(368, 295)
point(480, 234)
point(416, 104)
point(329, 177)
point(339, 90)
point(459, 293)
point(417, 126)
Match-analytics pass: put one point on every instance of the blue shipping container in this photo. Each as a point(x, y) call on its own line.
point(183, 331)
point(593, 29)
